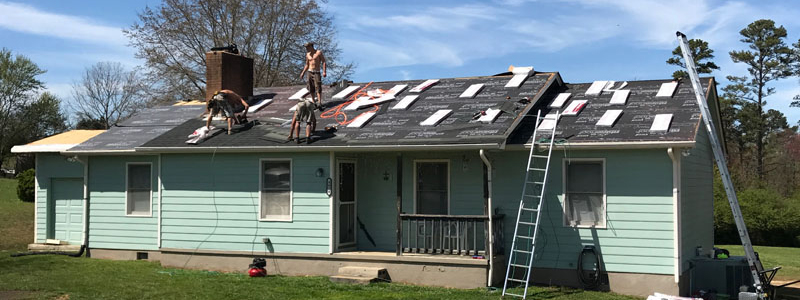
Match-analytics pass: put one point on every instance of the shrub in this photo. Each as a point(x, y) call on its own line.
point(25, 185)
point(771, 219)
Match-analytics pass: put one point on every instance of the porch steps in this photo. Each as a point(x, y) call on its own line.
point(361, 275)
point(55, 242)
point(49, 247)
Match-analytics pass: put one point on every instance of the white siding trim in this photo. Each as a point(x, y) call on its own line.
point(564, 192)
point(85, 230)
point(331, 201)
point(414, 183)
point(127, 165)
point(36, 199)
point(291, 190)
point(160, 198)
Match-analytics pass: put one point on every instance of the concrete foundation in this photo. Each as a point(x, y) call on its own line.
point(636, 284)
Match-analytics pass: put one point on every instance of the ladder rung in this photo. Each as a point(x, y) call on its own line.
point(522, 251)
point(525, 237)
point(530, 209)
point(532, 196)
point(527, 223)
point(517, 280)
point(515, 295)
point(519, 266)
point(534, 182)
point(537, 169)
point(540, 156)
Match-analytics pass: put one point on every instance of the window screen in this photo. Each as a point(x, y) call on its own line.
point(276, 200)
point(139, 187)
point(585, 193)
point(432, 188)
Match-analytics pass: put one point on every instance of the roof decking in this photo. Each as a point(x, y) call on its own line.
point(58, 142)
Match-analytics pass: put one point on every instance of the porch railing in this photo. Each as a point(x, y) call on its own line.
point(449, 234)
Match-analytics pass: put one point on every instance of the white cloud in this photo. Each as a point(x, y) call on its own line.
point(28, 19)
point(405, 75)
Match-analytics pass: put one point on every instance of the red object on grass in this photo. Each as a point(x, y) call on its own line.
point(257, 272)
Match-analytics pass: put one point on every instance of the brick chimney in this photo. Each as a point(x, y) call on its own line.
point(230, 71)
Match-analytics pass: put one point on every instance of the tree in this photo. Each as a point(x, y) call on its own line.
point(174, 37)
point(107, 92)
point(18, 84)
point(768, 59)
point(702, 59)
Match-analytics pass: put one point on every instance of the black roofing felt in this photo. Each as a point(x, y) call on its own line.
point(388, 127)
point(634, 123)
point(140, 128)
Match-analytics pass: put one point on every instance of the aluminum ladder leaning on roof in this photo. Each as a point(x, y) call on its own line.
point(520, 260)
point(761, 277)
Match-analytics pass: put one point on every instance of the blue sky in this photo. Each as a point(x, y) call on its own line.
point(584, 40)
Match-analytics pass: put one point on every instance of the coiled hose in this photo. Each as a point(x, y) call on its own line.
point(591, 280)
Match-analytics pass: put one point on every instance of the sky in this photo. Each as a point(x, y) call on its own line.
point(584, 40)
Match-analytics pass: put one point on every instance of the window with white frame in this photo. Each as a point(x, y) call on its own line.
point(139, 195)
point(584, 198)
point(432, 187)
point(276, 190)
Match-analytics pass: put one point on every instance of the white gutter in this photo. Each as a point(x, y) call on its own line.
point(234, 149)
point(160, 193)
point(612, 145)
point(491, 212)
point(677, 252)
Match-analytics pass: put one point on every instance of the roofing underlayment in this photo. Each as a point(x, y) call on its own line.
point(58, 142)
point(635, 122)
point(387, 126)
point(140, 128)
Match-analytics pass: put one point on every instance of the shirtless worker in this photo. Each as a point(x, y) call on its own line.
point(314, 58)
point(227, 103)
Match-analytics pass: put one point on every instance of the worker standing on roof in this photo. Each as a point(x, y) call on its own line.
point(303, 113)
point(228, 103)
point(314, 58)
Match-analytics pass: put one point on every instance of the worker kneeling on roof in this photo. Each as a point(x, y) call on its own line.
point(303, 113)
point(228, 103)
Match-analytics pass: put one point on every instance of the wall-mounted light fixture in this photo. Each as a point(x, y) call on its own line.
point(385, 175)
point(320, 172)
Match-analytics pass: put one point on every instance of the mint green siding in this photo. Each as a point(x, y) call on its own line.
point(377, 198)
point(68, 176)
point(639, 233)
point(697, 199)
point(109, 226)
point(212, 201)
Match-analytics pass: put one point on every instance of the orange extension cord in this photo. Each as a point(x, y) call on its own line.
point(339, 116)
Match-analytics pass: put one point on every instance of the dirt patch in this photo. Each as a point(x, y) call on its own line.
point(17, 295)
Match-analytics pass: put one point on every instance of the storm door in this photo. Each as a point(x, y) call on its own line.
point(346, 204)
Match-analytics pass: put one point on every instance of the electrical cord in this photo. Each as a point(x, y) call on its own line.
point(216, 211)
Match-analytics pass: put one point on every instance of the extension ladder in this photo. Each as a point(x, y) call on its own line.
point(520, 260)
point(761, 278)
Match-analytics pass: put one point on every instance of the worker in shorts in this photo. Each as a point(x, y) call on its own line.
point(227, 103)
point(303, 113)
point(314, 60)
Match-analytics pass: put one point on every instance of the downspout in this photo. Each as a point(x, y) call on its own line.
point(491, 212)
point(85, 161)
point(677, 252)
point(160, 198)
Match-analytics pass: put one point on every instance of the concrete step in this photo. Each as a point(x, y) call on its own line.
point(370, 272)
point(48, 247)
point(353, 279)
point(55, 242)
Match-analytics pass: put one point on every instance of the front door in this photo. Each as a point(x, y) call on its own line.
point(346, 204)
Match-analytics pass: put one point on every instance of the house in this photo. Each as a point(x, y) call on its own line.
point(424, 185)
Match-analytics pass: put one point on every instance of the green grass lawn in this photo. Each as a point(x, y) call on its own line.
point(787, 258)
point(16, 218)
point(83, 278)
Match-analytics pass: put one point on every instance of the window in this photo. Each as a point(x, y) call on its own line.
point(276, 190)
point(139, 196)
point(585, 197)
point(432, 187)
